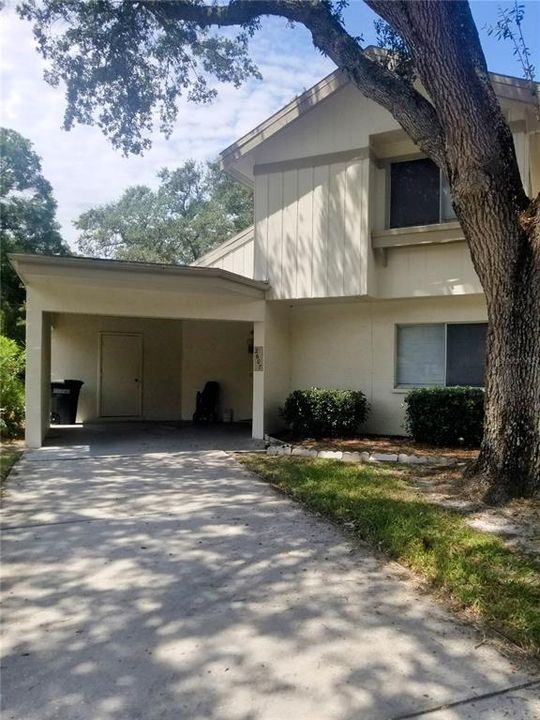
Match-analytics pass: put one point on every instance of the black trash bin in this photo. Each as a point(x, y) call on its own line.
point(64, 401)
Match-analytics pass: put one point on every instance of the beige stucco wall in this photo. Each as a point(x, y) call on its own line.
point(142, 300)
point(75, 354)
point(275, 337)
point(218, 351)
point(427, 270)
point(349, 344)
point(84, 299)
point(352, 345)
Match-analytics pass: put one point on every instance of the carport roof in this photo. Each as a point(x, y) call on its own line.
point(27, 265)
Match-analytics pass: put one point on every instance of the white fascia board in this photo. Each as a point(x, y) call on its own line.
point(99, 271)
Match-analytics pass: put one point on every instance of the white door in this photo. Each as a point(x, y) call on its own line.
point(120, 375)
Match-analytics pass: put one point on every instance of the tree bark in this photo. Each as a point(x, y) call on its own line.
point(509, 462)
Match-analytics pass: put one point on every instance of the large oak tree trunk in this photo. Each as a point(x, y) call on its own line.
point(505, 247)
point(502, 226)
point(509, 462)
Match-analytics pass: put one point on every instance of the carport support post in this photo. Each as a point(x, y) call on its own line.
point(257, 427)
point(38, 373)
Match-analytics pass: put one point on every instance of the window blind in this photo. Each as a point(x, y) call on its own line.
point(420, 355)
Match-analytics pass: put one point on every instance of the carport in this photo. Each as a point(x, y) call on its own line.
point(143, 338)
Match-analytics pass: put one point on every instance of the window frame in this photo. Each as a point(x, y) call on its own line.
point(407, 388)
point(388, 199)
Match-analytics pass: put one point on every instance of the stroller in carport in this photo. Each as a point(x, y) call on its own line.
point(206, 409)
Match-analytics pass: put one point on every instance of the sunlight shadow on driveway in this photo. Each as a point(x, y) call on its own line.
point(178, 586)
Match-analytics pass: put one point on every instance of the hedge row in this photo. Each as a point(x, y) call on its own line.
point(323, 412)
point(451, 416)
point(438, 415)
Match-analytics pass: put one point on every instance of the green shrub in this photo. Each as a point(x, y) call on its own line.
point(11, 388)
point(446, 416)
point(325, 412)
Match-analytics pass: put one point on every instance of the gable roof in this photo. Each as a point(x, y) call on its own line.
point(296, 108)
point(505, 86)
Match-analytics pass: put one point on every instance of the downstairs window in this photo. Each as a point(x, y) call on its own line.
point(441, 354)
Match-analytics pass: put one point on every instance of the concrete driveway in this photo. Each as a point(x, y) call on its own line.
point(175, 585)
point(134, 438)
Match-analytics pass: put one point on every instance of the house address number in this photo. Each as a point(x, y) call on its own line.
point(258, 361)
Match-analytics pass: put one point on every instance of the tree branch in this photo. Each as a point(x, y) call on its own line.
point(443, 29)
point(411, 110)
point(451, 65)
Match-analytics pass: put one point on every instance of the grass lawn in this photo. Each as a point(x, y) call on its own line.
point(9, 454)
point(476, 571)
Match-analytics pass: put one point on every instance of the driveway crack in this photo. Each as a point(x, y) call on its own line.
point(465, 701)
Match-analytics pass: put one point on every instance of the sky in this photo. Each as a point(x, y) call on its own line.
point(85, 170)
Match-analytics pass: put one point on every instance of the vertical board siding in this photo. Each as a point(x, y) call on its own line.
point(290, 233)
point(312, 230)
point(275, 231)
point(261, 227)
point(366, 202)
point(249, 249)
point(353, 230)
point(521, 146)
point(321, 179)
point(336, 230)
point(239, 260)
point(304, 248)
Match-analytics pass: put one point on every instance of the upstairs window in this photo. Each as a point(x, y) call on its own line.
point(419, 195)
point(441, 354)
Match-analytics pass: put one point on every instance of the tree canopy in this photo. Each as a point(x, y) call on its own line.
point(28, 221)
point(195, 207)
point(126, 65)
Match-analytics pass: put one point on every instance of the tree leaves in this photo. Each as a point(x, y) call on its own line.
point(395, 55)
point(125, 71)
point(28, 221)
point(195, 208)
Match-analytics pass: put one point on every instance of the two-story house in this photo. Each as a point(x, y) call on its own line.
point(355, 274)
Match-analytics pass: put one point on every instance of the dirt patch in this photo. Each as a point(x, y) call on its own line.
point(517, 523)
